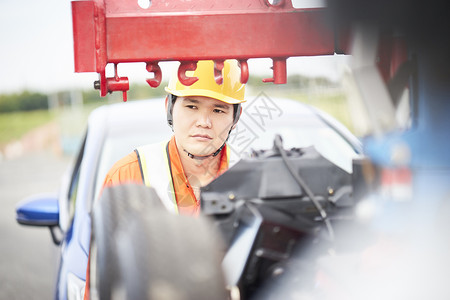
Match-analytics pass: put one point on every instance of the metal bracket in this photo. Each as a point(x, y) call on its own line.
point(218, 67)
point(112, 84)
point(153, 67)
point(187, 66)
point(244, 70)
point(279, 71)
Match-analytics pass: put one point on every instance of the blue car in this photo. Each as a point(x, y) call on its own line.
point(115, 130)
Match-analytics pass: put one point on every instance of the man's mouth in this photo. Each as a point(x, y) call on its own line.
point(202, 137)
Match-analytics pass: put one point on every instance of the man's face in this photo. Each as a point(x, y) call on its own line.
point(201, 124)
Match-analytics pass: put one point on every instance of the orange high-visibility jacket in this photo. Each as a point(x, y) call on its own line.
point(129, 170)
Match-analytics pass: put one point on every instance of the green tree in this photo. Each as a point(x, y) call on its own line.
point(25, 101)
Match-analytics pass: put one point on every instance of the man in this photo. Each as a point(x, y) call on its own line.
point(202, 116)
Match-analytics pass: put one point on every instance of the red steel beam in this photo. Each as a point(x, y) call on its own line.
point(197, 37)
point(118, 31)
point(194, 30)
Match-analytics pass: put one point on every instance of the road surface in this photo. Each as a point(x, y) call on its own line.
point(27, 255)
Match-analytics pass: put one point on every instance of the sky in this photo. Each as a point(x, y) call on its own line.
point(36, 52)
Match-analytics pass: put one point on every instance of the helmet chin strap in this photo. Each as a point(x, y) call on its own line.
point(202, 157)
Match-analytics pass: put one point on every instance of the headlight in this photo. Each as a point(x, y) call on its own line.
point(75, 287)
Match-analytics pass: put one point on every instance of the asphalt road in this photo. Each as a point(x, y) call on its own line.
point(27, 255)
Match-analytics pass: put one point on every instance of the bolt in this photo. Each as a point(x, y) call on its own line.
point(277, 271)
point(330, 191)
point(97, 84)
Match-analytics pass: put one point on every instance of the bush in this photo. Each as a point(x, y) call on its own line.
point(26, 101)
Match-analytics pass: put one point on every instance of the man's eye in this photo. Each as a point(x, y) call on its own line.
point(191, 106)
point(219, 111)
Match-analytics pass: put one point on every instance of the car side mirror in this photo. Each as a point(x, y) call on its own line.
point(40, 210)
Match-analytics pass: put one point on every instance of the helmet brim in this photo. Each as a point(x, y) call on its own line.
point(204, 93)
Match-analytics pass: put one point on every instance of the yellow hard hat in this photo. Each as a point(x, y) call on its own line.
point(230, 91)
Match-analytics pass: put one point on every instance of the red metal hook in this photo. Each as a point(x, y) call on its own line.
point(112, 84)
point(279, 71)
point(218, 67)
point(244, 71)
point(153, 67)
point(119, 84)
point(187, 66)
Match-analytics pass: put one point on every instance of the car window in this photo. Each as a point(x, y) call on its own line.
point(73, 188)
point(118, 146)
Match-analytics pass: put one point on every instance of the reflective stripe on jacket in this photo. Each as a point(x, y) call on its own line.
point(156, 172)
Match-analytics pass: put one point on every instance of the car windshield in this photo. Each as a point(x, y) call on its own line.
point(297, 133)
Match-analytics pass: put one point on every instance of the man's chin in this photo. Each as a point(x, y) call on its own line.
point(201, 151)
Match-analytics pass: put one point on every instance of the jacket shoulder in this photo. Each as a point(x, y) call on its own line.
point(125, 170)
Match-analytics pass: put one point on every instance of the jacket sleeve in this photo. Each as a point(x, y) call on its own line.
point(126, 170)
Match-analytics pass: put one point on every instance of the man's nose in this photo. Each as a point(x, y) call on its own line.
point(204, 120)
